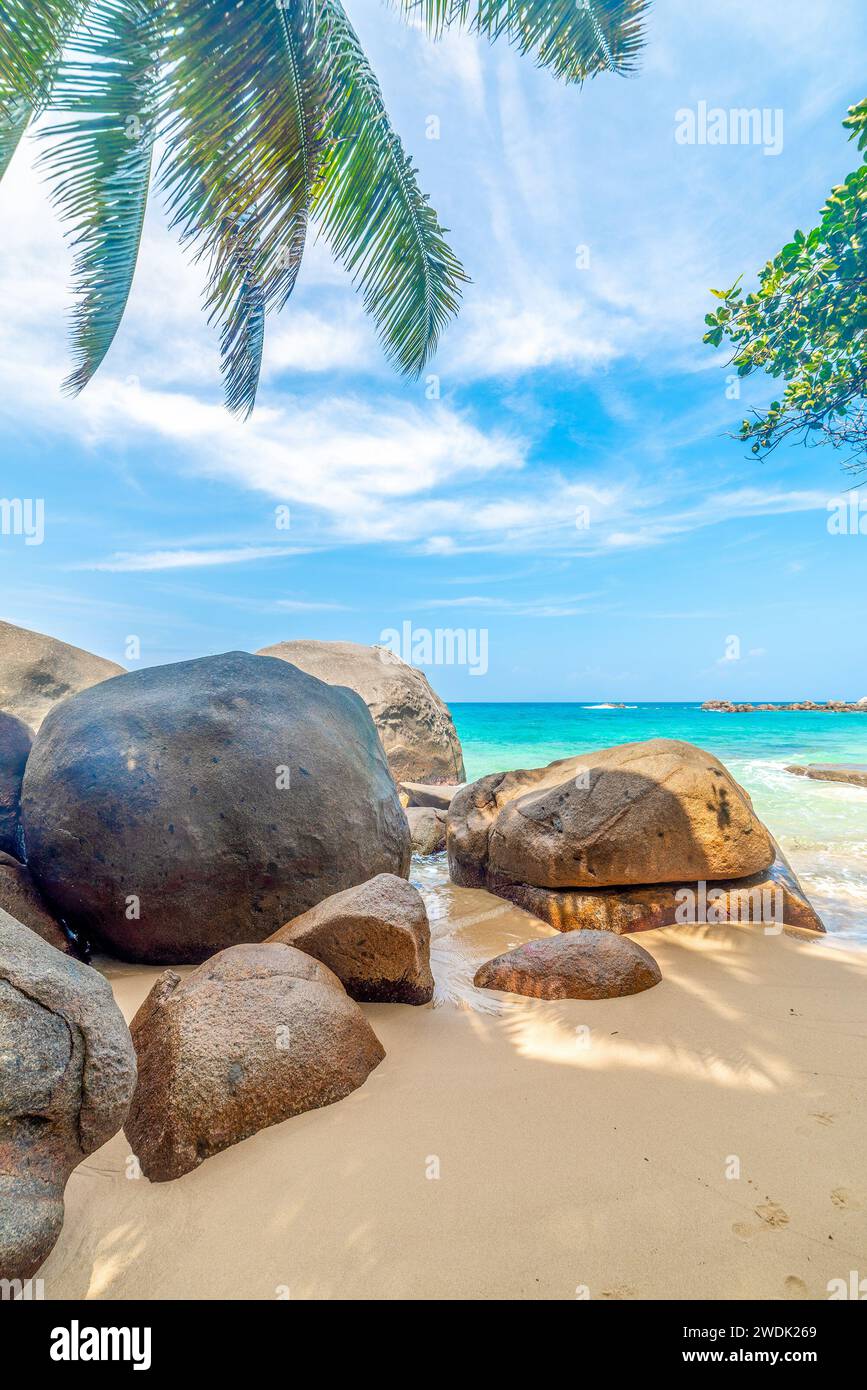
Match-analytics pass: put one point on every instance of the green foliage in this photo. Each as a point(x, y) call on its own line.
point(269, 114)
point(577, 39)
point(806, 324)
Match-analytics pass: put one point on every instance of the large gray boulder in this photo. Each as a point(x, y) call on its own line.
point(67, 1074)
point(16, 740)
point(181, 809)
point(417, 731)
point(36, 671)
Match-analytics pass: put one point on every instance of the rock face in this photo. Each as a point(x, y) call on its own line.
point(67, 1072)
point(19, 897)
point(582, 965)
point(375, 938)
point(252, 1037)
point(16, 740)
point(427, 826)
point(853, 773)
point(180, 809)
point(660, 811)
point(36, 671)
point(416, 729)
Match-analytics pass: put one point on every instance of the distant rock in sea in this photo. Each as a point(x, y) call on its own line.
point(829, 707)
point(853, 773)
point(416, 728)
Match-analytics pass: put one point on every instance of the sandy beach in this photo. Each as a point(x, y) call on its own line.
point(580, 1146)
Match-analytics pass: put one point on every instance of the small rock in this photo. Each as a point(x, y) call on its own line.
point(429, 794)
point(375, 938)
point(578, 965)
point(427, 826)
point(20, 897)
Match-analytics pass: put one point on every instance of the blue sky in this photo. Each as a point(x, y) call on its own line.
point(574, 389)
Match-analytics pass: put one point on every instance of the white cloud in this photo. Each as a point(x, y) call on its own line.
point(127, 562)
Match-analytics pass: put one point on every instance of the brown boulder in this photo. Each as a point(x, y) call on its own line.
point(180, 809)
point(769, 899)
point(417, 731)
point(37, 671)
point(427, 826)
point(660, 811)
point(375, 938)
point(20, 898)
point(252, 1037)
point(67, 1072)
point(16, 740)
point(582, 965)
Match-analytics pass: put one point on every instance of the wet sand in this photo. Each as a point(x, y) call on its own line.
point(579, 1146)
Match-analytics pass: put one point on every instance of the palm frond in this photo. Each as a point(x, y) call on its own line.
point(98, 159)
point(575, 38)
point(242, 154)
point(32, 35)
point(371, 209)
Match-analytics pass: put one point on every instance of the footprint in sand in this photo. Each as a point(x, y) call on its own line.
point(773, 1215)
point(842, 1197)
point(744, 1230)
point(795, 1287)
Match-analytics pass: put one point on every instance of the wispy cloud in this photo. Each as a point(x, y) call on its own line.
point(127, 562)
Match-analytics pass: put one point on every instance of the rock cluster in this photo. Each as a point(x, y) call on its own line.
point(177, 810)
point(829, 707)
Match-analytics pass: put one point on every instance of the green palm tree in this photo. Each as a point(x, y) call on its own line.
point(267, 115)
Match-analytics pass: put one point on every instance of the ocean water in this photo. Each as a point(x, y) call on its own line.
point(822, 826)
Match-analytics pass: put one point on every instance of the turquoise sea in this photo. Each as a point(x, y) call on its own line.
point(822, 826)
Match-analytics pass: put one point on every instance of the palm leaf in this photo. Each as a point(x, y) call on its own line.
point(371, 208)
point(242, 153)
point(575, 38)
point(99, 162)
point(32, 35)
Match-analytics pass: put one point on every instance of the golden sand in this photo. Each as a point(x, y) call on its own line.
point(533, 1150)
